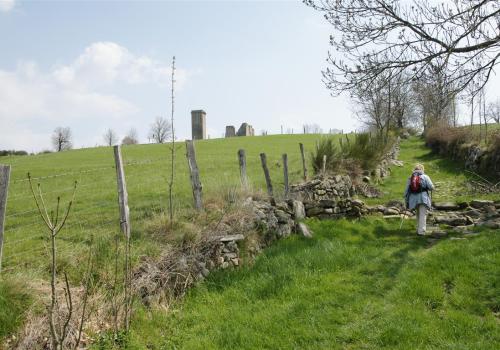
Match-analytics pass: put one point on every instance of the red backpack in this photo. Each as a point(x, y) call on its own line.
point(415, 183)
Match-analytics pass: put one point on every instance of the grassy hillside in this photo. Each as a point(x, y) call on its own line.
point(95, 211)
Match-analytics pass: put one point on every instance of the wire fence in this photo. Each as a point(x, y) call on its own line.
point(95, 211)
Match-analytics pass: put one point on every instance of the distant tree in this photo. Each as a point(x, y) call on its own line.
point(435, 97)
point(494, 110)
point(131, 138)
point(312, 129)
point(373, 37)
point(160, 130)
point(110, 138)
point(62, 139)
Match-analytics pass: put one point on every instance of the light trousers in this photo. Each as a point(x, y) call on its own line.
point(421, 219)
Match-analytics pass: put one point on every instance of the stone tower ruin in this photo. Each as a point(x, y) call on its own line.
point(198, 125)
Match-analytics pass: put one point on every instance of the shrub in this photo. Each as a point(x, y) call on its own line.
point(326, 147)
point(361, 151)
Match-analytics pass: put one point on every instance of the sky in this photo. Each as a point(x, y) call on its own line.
point(94, 65)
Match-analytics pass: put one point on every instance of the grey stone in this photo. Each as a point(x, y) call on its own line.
point(446, 206)
point(232, 238)
point(327, 203)
point(205, 272)
point(391, 211)
point(299, 211)
point(230, 131)
point(303, 230)
point(366, 179)
point(314, 211)
point(481, 203)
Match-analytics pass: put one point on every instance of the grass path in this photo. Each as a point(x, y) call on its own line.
point(356, 285)
point(448, 176)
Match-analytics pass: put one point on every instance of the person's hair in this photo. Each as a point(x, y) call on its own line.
point(419, 166)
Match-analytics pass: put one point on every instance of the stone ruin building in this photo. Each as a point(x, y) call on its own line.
point(244, 130)
point(198, 125)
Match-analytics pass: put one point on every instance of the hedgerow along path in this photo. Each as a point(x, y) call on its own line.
point(361, 284)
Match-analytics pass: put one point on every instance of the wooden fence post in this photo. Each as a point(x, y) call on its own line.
point(323, 168)
point(269, 185)
point(285, 174)
point(122, 192)
point(194, 175)
point(303, 161)
point(243, 168)
point(4, 187)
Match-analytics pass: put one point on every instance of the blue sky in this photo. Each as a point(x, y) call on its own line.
point(94, 65)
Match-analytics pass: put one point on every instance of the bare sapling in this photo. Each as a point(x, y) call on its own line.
point(172, 152)
point(59, 324)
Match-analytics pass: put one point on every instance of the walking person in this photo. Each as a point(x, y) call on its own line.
point(417, 196)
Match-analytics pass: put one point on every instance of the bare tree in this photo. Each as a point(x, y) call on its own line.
point(172, 150)
point(494, 110)
point(131, 138)
point(160, 130)
point(110, 138)
point(61, 139)
point(312, 129)
point(435, 97)
point(377, 36)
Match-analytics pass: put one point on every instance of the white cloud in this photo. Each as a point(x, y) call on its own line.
point(82, 94)
point(104, 63)
point(6, 5)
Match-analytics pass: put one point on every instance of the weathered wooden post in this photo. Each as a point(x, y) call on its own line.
point(269, 185)
point(122, 192)
point(125, 227)
point(194, 175)
point(285, 174)
point(243, 168)
point(303, 161)
point(4, 187)
point(323, 168)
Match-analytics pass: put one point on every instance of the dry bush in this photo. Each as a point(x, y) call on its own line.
point(447, 140)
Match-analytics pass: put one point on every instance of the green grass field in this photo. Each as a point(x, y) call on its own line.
point(356, 285)
point(360, 281)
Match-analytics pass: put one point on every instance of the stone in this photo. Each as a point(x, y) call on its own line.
point(357, 203)
point(481, 203)
point(447, 206)
point(232, 238)
point(494, 224)
point(452, 220)
point(225, 265)
point(314, 211)
point(391, 211)
point(229, 256)
point(235, 261)
point(397, 163)
point(299, 212)
point(303, 230)
point(205, 272)
point(282, 216)
point(327, 203)
point(366, 179)
point(329, 210)
point(220, 260)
